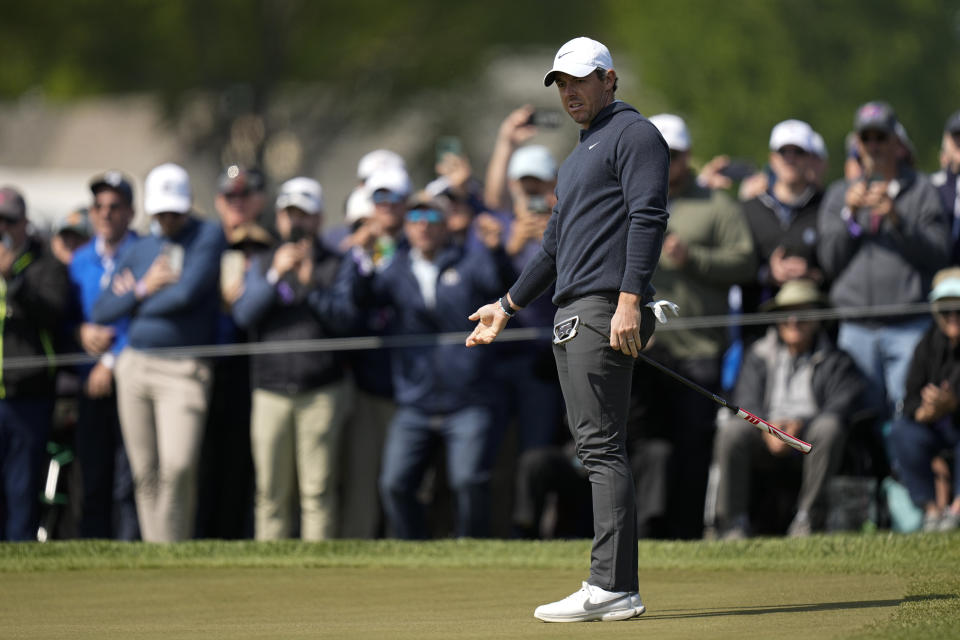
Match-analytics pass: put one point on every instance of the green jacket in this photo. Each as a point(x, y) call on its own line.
point(720, 254)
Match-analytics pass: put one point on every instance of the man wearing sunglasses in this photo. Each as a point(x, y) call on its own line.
point(882, 238)
point(108, 507)
point(783, 218)
point(442, 393)
point(601, 247)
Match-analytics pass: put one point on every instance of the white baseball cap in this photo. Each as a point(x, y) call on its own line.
point(302, 193)
point(359, 205)
point(818, 146)
point(391, 178)
point(792, 132)
point(674, 131)
point(533, 160)
point(579, 57)
point(167, 188)
point(378, 159)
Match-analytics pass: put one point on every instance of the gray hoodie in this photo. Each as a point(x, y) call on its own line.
point(893, 264)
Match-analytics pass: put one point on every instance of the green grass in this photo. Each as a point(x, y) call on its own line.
point(858, 586)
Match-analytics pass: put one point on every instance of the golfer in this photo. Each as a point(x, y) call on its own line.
point(601, 246)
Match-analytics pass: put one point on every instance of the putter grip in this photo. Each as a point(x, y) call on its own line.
point(763, 425)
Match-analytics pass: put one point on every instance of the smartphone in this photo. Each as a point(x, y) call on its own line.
point(297, 233)
point(737, 170)
point(174, 253)
point(546, 118)
point(537, 204)
point(448, 144)
point(232, 268)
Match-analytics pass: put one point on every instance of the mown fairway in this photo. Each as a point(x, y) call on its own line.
point(825, 587)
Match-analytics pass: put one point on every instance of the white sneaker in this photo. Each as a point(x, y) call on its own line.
point(592, 603)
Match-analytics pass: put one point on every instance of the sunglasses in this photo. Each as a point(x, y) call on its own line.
point(237, 195)
point(792, 151)
point(566, 331)
point(424, 215)
point(874, 136)
point(383, 196)
point(113, 206)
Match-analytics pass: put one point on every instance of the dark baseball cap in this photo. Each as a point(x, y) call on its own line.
point(953, 123)
point(236, 178)
point(875, 116)
point(113, 180)
point(12, 206)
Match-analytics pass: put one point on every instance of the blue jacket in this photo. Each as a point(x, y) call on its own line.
point(89, 277)
point(182, 314)
point(444, 377)
point(606, 231)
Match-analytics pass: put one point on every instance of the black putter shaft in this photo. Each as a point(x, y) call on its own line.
point(760, 423)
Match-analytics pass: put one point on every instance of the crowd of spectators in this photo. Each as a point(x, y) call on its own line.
point(408, 439)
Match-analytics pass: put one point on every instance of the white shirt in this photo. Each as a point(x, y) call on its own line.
point(426, 273)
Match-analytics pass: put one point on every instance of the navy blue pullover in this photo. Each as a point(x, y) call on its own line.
point(607, 228)
point(182, 314)
point(444, 377)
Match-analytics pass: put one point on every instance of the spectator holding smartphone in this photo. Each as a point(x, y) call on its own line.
point(167, 284)
point(881, 239)
point(34, 292)
point(783, 218)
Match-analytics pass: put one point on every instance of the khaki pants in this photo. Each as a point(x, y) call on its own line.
point(162, 404)
point(296, 441)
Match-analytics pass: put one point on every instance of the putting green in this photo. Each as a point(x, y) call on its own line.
point(423, 604)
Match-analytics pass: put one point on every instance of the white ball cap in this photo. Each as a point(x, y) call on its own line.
point(818, 146)
point(579, 57)
point(391, 178)
point(534, 160)
point(792, 132)
point(303, 193)
point(359, 205)
point(378, 159)
point(167, 188)
point(674, 131)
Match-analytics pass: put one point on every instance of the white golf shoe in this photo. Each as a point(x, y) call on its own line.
point(592, 603)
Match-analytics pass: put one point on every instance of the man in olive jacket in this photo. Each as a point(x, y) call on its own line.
point(707, 248)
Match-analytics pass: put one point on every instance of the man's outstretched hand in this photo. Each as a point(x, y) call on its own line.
point(490, 320)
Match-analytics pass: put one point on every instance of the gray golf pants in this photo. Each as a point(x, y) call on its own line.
point(596, 388)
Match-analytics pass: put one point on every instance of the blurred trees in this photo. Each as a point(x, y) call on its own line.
point(733, 69)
